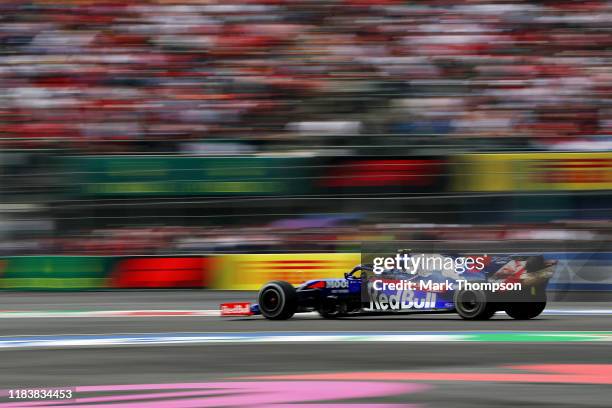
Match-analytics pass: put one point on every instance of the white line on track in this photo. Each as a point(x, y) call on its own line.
point(178, 338)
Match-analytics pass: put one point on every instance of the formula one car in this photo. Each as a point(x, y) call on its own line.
point(514, 284)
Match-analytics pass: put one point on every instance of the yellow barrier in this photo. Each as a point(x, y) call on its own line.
point(532, 171)
point(250, 272)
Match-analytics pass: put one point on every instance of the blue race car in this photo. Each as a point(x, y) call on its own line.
point(514, 284)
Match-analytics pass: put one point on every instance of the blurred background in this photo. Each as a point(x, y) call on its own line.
point(144, 143)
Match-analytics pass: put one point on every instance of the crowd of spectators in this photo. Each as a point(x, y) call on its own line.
point(172, 75)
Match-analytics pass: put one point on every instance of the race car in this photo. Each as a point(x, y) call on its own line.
point(514, 284)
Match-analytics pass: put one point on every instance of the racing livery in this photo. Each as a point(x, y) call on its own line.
point(512, 283)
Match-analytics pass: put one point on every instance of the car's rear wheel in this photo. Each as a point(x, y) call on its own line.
point(277, 300)
point(525, 310)
point(473, 305)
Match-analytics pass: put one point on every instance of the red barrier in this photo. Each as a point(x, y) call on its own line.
point(160, 273)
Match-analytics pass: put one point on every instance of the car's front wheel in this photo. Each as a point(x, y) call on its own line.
point(473, 305)
point(277, 300)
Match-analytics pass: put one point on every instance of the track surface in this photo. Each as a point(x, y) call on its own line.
point(432, 374)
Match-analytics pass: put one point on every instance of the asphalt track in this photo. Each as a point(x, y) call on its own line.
point(295, 371)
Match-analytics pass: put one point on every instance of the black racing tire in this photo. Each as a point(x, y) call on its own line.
point(277, 300)
point(473, 305)
point(525, 310)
